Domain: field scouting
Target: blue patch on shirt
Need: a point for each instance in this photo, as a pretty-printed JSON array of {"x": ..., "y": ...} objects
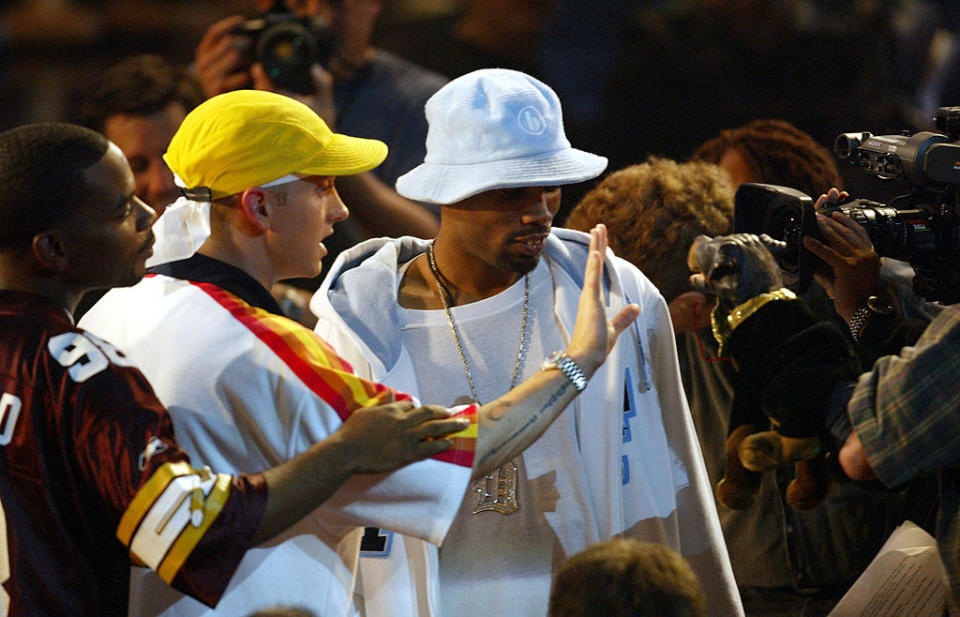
[
  {"x": 629, "y": 408},
  {"x": 376, "y": 542}
]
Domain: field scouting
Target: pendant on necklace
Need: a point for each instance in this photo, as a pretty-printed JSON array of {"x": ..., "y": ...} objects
[{"x": 497, "y": 491}]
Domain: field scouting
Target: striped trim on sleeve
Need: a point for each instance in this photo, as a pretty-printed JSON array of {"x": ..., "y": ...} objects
[{"x": 170, "y": 514}]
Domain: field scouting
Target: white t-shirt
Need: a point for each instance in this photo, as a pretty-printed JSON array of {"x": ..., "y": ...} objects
[
  {"x": 491, "y": 563},
  {"x": 630, "y": 433}
]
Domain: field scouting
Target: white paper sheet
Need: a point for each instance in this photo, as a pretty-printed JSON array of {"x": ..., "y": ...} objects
[{"x": 906, "y": 577}]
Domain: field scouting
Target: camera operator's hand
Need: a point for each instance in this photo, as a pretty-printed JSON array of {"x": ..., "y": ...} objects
[
  {"x": 854, "y": 273},
  {"x": 222, "y": 59},
  {"x": 321, "y": 101}
]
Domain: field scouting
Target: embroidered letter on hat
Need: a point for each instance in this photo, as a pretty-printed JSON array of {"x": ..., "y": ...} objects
[{"x": 532, "y": 121}]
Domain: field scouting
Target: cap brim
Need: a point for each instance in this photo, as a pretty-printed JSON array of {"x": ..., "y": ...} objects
[
  {"x": 446, "y": 184},
  {"x": 345, "y": 155}
]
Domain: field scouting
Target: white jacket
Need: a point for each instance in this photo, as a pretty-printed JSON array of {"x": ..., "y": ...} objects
[{"x": 662, "y": 494}]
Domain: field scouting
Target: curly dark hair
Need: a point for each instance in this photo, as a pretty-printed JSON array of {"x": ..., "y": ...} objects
[
  {"x": 139, "y": 86},
  {"x": 41, "y": 171},
  {"x": 777, "y": 153},
  {"x": 654, "y": 210}
]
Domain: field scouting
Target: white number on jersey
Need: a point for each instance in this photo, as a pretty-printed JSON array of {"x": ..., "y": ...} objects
[
  {"x": 9, "y": 414},
  {"x": 84, "y": 355}
]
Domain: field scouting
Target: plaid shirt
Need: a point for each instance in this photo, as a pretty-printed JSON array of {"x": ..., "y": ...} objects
[{"x": 906, "y": 412}]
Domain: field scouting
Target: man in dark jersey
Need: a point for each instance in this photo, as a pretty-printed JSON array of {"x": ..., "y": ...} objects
[{"x": 89, "y": 470}]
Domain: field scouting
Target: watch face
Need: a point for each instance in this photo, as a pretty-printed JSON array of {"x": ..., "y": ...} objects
[{"x": 879, "y": 305}]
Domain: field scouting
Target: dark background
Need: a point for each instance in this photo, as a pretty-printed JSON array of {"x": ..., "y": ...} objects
[{"x": 636, "y": 78}]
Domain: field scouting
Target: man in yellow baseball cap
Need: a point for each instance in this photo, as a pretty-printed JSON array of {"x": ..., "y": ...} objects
[
  {"x": 246, "y": 387},
  {"x": 261, "y": 166}
]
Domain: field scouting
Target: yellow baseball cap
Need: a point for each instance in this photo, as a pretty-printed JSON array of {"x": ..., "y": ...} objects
[{"x": 248, "y": 138}]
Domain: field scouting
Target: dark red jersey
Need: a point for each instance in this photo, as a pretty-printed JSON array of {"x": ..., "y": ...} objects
[{"x": 91, "y": 477}]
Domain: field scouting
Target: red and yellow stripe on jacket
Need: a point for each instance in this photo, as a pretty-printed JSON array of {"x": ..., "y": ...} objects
[{"x": 327, "y": 374}]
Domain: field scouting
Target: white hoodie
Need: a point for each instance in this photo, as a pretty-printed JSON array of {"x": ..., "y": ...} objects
[{"x": 642, "y": 472}]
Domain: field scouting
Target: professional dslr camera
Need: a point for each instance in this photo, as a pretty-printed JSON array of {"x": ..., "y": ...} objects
[
  {"x": 287, "y": 46},
  {"x": 921, "y": 227}
]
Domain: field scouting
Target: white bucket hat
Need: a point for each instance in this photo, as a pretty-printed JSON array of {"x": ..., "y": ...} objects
[{"x": 490, "y": 129}]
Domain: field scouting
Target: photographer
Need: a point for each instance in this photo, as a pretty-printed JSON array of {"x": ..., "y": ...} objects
[
  {"x": 787, "y": 562},
  {"x": 358, "y": 90},
  {"x": 897, "y": 422}
]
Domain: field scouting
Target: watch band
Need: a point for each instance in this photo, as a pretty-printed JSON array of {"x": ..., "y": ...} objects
[
  {"x": 873, "y": 306},
  {"x": 565, "y": 364},
  {"x": 858, "y": 321}
]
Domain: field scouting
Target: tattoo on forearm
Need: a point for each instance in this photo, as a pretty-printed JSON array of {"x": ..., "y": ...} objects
[
  {"x": 526, "y": 425},
  {"x": 497, "y": 411}
]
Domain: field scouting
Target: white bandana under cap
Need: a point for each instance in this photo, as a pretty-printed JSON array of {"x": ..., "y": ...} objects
[{"x": 185, "y": 225}]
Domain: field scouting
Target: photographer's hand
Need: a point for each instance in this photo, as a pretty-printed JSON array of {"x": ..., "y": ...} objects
[
  {"x": 855, "y": 266},
  {"x": 320, "y": 101},
  {"x": 221, "y": 60}
]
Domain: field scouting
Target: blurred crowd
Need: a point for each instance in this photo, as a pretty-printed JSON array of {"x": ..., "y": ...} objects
[
  {"x": 655, "y": 77},
  {"x": 687, "y": 99}
]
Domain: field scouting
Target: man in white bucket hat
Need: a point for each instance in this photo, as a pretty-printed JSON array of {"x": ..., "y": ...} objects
[
  {"x": 482, "y": 306},
  {"x": 247, "y": 387}
]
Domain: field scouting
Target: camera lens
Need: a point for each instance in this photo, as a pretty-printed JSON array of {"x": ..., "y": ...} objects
[
  {"x": 846, "y": 143},
  {"x": 286, "y": 52}
]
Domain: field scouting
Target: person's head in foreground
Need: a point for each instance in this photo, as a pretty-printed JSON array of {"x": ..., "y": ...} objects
[
  {"x": 626, "y": 578},
  {"x": 69, "y": 219},
  {"x": 263, "y": 166},
  {"x": 496, "y": 158}
]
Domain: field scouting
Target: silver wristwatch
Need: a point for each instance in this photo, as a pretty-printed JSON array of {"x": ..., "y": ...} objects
[
  {"x": 873, "y": 306},
  {"x": 566, "y": 365}
]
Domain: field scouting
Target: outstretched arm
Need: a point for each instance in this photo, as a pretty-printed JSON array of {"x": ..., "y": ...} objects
[
  {"x": 372, "y": 440},
  {"x": 514, "y": 421},
  {"x": 384, "y": 438}
]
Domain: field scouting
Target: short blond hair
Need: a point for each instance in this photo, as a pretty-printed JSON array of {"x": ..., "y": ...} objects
[{"x": 654, "y": 210}]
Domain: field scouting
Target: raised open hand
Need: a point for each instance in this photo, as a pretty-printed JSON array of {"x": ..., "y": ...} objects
[{"x": 593, "y": 334}]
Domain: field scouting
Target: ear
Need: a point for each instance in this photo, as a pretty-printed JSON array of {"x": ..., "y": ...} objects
[
  {"x": 257, "y": 208},
  {"x": 49, "y": 250}
]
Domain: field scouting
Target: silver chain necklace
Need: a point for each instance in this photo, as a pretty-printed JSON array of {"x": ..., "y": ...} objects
[{"x": 522, "y": 346}]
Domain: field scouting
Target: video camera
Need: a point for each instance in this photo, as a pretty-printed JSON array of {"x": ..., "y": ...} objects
[
  {"x": 921, "y": 227},
  {"x": 287, "y": 46}
]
